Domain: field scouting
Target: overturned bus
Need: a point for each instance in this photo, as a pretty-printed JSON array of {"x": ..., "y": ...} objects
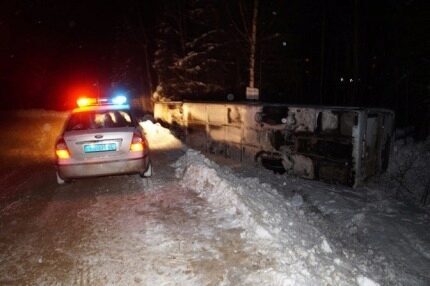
[{"x": 334, "y": 144}]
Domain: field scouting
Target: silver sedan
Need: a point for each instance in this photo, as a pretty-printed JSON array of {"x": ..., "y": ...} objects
[{"x": 100, "y": 141}]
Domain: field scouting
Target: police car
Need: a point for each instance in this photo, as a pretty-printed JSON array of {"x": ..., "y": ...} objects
[{"x": 101, "y": 138}]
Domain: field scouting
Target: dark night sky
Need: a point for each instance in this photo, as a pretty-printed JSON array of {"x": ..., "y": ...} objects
[
  {"x": 48, "y": 48},
  {"x": 51, "y": 46}
]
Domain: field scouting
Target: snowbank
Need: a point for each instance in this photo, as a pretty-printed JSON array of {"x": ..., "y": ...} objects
[
  {"x": 301, "y": 254},
  {"x": 37, "y": 113},
  {"x": 408, "y": 172},
  {"x": 160, "y": 138},
  {"x": 33, "y": 132}
]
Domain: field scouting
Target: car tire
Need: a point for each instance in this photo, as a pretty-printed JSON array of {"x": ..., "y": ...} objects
[
  {"x": 148, "y": 172},
  {"x": 60, "y": 180}
]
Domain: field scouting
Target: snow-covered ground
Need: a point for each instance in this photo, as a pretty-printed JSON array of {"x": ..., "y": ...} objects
[
  {"x": 324, "y": 235},
  {"x": 204, "y": 220},
  {"x": 408, "y": 174}
]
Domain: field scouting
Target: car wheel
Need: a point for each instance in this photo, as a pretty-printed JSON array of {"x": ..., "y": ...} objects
[
  {"x": 60, "y": 180},
  {"x": 148, "y": 172}
]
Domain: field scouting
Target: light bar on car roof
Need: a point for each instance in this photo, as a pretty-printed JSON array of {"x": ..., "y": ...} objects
[{"x": 90, "y": 101}]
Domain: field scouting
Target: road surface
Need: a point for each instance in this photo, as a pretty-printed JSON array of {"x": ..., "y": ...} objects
[{"x": 193, "y": 223}]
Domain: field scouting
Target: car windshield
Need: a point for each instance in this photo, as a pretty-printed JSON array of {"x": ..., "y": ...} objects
[{"x": 99, "y": 119}]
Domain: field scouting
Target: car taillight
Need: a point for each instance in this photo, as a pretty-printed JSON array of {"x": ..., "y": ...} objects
[
  {"x": 61, "y": 149},
  {"x": 137, "y": 143}
]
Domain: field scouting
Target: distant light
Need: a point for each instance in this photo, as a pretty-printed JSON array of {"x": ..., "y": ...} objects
[
  {"x": 351, "y": 80},
  {"x": 274, "y": 13},
  {"x": 341, "y": 79},
  {"x": 119, "y": 99},
  {"x": 284, "y": 44}
]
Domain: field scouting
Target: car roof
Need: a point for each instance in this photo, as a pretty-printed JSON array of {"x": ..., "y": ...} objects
[{"x": 101, "y": 108}]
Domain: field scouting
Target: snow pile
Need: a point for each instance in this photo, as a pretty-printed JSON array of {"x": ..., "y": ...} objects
[
  {"x": 159, "y": 138},
  {"x": 33, "y": 133},
  {"x": 364, "y": 281},
  {"x": 301, "y": 255},
  {"x": 408, "y": 171},
  {"x": 38, "y": 113}
]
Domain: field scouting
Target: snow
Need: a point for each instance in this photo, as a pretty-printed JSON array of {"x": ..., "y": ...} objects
[
  {"x": 385, "y": 238},
  {"x": 407, "y": 176},
  {"x": 326, "y": 247},
  {"x": 160, "y": 138},
  {"x": 38, "y": 113},
  {"x": 206, "y": 220},
  {"x": 364, "y": 281},
  {"x": 297, "y": 200},
  {"x": 233, "y": 228},
  {"x": 299, "y": 253}
]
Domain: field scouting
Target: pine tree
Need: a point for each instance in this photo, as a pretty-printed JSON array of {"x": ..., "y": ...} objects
[{"x": 192, "y": 58}]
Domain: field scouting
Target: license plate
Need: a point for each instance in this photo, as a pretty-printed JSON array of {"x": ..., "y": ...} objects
[{"x": 91, "y": 148}]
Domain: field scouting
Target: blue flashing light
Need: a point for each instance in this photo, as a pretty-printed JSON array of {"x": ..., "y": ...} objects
[{"x": 119, "y": 99}]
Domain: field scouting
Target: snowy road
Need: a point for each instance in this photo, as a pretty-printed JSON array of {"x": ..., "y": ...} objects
[{"x": 193, "y": 223}]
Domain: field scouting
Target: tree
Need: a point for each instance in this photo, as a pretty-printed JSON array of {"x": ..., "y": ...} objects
[
  {"x": 192, "y": 56},
  {"x": 131, "y": 59},
  {"x": 253, "y": 44}
]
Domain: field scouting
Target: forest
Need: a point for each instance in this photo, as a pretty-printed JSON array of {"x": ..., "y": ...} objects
[{"x": 349, "y": 53}]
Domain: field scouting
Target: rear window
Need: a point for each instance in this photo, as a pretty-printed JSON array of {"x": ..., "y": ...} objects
[{"x": 100, "y": 119}]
